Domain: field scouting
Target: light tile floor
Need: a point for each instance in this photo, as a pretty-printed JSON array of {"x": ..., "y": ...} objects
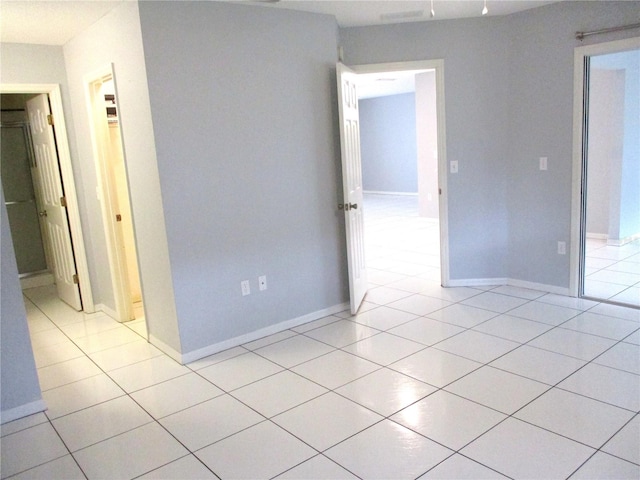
[
  {"x": 613, "y": 273},
  {"x": 492, "y": 382}
]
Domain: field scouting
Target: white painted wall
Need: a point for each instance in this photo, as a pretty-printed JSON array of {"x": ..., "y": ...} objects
[
  {"x": 606, "y": 122},
  {"x": 427, "y": 144}
]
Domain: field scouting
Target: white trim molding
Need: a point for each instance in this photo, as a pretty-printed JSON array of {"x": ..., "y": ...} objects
[
  {"x": 256, "y": 335},
  {"x": 478, "y": 282},
  {"x": 511, "y": 282},
  {"x": 22, "y": 411},
  {"x": 36, "y": 280}
]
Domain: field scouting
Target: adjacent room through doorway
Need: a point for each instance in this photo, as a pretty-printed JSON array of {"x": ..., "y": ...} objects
[
  {"x": 398, "y": 136},
  {"x": 611, "y": 256}
]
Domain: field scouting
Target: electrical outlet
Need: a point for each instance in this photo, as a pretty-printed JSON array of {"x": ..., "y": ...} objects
[
  {"x": 246, "y": 288},
  {"x": 262, "y": 282},
  {"x": 562, "y": 248},
  {"x": 543, "y": 163}
]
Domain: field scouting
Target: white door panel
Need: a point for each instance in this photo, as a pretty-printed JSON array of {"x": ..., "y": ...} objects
[
  {"x": 49, "y": 192},
  {"x": 352, "y": 184}
]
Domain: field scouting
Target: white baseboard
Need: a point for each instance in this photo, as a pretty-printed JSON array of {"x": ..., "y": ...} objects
[
  {"x": 177, "y": 356},
  {"x": 22, "y": 411},
  {"x": 101, "y": 307},
  {"x": 263, "y": 332},
  {"x": 619, "y": 242},
  {"x": 487, "y": 282},
  {"x": 37, "y": 280},
  {"x": 597, "y": 236},
  {"x": 614, "y": 242},
  {"x": 477, "y": 282},
  {"x": 539, "y": 287},
  {"x": 377, "y": 192}
]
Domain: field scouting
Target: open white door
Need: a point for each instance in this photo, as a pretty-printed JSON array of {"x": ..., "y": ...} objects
[
  {"x": 352, "y": 184},
  {"x": 49, "y": 191}
]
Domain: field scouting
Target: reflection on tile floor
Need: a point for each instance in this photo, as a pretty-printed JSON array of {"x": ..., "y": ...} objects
[
  {"x": 613, "y": 273},
  {"x": 492, "y": 382}
]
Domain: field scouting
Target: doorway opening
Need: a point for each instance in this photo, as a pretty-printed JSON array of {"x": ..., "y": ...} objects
[
  {"x": 399, "y": 144},
  {"x": 114, "y": 195},
  {"x": 608, "y": 166},
  {"x": 420, "y": 253},
  {"x": 42, "y": 204},
  {"x": 17, "y": 157}
]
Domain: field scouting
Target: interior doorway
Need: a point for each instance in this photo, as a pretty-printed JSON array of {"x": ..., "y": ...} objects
[
  {"x": 609, "y": 172},
  {"x": 17, "y": 159},
  {"x": 405, "y": 194},
  {"x": 46, "y": 219},
  {"x": 114, "y": 195}
]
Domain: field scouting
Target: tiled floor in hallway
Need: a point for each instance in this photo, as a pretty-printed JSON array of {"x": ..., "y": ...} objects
[{"x": 426, "y": 382}]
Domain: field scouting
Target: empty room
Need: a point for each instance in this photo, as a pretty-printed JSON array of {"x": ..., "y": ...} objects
[{"x": 203, "y": 277}]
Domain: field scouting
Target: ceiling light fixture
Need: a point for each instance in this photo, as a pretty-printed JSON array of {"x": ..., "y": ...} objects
[
  {"x": 433, "y": 12},
  {"x": 485, "y": 10}
]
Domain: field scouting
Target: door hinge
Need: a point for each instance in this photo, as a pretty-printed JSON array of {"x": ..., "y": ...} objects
[
  {"x": 76, "y": 280},
  {"x": 63, "y": 201},
  {"x": 439, "y": 191},
  {"x": 50, "y": 119}
]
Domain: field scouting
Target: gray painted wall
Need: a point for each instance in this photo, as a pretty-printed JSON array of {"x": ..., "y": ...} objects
[
  {"x": 509, "y": 101},
  {"x": 541, "y": 124},
  {"x": 17, "y": 183},
  {"x": 476, "y": 82},
  {"x": 243, "y": 110},
  {"x": 18, "y": 377},
  {"x": 388, "y": 143}
]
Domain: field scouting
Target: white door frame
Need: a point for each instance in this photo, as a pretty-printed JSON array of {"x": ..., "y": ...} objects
[
  {"x": 117, "y": 260},
  {"x": 438, "y": 66},
  {"x": 578, "y": 170},
  {"x": 66, "y": 171}
]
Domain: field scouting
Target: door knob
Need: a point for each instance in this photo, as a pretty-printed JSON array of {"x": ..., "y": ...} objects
[
  {"x": 347, "y": 206},
  {"x": 43, "y": 213}
]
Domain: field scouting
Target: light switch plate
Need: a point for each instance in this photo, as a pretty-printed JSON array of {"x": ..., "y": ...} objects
[
  {"x": 562, "y": 248},
  {"x": 453, "y": 166},
  {"x": 543, "y": 163}
]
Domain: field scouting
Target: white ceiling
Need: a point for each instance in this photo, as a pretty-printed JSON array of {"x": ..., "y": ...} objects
[
  {"x": 49, "y": 22},
  {"x": 354, "y": 13},
  {"x": 388, "y": 83},
  {"x": 55, "y": 22}
]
